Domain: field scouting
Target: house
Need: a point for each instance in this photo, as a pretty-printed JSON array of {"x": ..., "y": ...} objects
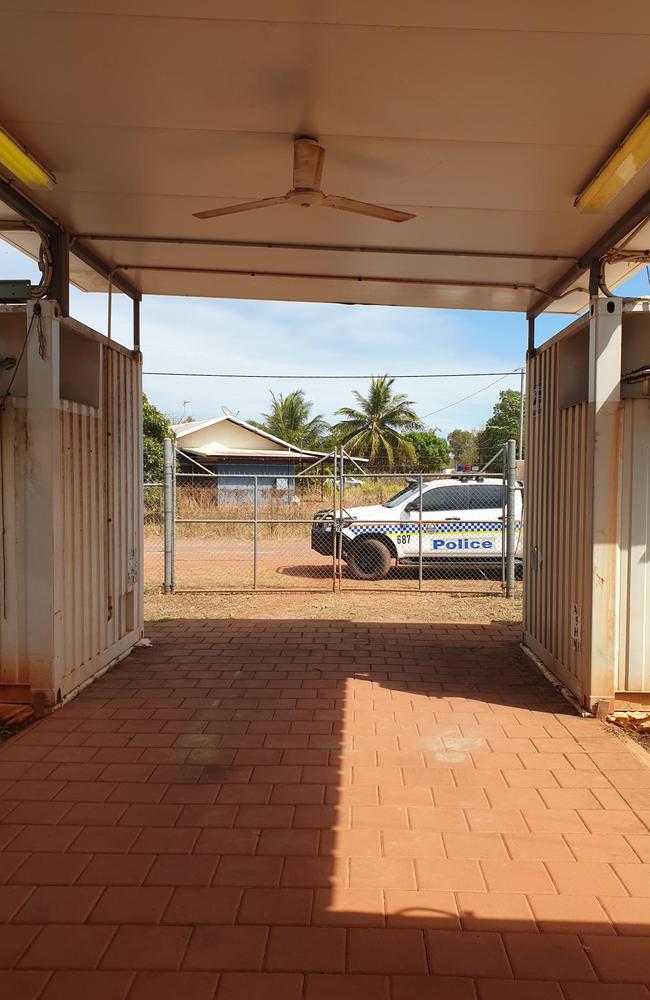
[{"x": 236, "y": 452}]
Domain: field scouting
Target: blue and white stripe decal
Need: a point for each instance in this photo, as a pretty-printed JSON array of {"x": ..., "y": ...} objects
[{"x": 431, "y": 528}]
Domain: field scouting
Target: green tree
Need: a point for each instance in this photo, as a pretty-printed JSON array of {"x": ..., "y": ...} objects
[
  {"x": 155, "y": 428},
  {"x": 431, "y": 451},
  {"x": 502, "y": 425},
  {"x": 462, "y": 445},
  {"x": 377, "y": 430},
  {"x": 290, "y": 419}
]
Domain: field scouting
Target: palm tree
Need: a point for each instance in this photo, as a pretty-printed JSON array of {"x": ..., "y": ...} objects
[
  {"x": 375, "y": 430},
  {"x": 290, "y": 419}
]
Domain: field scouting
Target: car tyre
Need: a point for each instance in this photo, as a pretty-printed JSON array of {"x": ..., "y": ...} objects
[{"x": 369, "y": 560}]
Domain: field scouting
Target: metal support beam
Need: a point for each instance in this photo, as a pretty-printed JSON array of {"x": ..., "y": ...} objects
[
  {"x": 531, "y": 336},
  {"x": 136, "y": 326},
  {"x": 90, "y": 258},
  {"x": 198, "y": 241},
  {"x": 632, "y": 218},
  {"x": 595, "y": 268},
  {"x": 59, "y": 289},
  {"x": 60, "y": 246},
  {"x": 315, "y": 276},
  {"x": 29, "y": 212}
]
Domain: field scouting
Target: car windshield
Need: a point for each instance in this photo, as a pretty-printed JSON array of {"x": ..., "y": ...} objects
[{"x": 404, "y": 494}]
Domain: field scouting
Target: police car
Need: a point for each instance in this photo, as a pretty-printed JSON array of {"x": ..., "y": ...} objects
[{"x": 462, "y": 519}]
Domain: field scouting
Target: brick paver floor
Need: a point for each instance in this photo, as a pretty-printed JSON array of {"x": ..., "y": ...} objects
[{"x": 295, "y": 810}]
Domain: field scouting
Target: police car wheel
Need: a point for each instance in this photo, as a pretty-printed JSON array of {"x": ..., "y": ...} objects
[{"x": 369, "y": 560}]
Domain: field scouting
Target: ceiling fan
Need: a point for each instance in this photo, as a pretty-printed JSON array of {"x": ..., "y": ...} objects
[{"x": 308, "y": 161}]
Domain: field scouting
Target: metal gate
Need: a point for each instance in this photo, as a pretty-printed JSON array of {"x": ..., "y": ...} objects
[{"x": 333, "y": 526}]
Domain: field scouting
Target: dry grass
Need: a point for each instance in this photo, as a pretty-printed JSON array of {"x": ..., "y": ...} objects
[
  {"x": 203, "y": 501},
  {"x": 350, "y": 606}
]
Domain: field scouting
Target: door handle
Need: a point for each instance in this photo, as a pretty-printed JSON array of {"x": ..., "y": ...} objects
[{"x": 452, "y": 519}]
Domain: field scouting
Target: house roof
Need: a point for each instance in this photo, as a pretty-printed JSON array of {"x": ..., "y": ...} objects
[
  {"x": 286, "y": 448},
  {"x": 222, "y": 452}
]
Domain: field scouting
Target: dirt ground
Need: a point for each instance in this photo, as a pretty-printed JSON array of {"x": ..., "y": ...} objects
[
  {"x": 350, "y": 606},
  {"x": 290, "y": 564}
]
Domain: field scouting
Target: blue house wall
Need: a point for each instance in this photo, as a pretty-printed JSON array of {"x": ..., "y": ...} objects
[
  {"x": 275, "y": 480},
  {"x": 234, "y": 483}
]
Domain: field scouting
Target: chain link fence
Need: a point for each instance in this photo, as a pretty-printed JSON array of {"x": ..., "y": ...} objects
[{"x": 336, "y": 528}]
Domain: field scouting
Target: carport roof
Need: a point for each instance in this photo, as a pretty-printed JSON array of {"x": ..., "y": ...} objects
[{"x": 485, "y": 120}]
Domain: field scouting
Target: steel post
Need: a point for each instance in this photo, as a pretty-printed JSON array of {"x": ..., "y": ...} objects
[
  {"x": 340, "y": 531},
  {"x": 168, "y": 515},
  {"x": 174, "y": 518},
  {"x": 420, "y": 529},
  {"x": 522, "y": 391},
  {"x": 334, "y": 522},
  {"x": 255, "y": 478},
  {"x": 60, "y": 284},
  {"x": 136, "y": 326},
  {"x": 511, "y": 493},
  {"x": 503, "y": 517}
]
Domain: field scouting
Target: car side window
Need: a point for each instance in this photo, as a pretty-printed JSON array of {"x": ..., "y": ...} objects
[
  {"x": 484, "y": 495},
  {"x": 445, "y": 498}
]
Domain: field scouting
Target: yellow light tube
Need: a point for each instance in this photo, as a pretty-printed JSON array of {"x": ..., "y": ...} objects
[
  {"x": 618, "y": 170},
  {"x": 15, "y": 158}
]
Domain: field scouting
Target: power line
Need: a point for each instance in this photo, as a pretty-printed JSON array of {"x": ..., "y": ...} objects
[
  {"x": 515, "y": 371},
  {"x": 463, "y": 398}
]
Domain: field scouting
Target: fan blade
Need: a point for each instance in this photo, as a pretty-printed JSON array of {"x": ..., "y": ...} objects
[
  {"x": 308, "y": 160},
  {"x": 245, "y": 206},
  {"x": 365, "y": 208}
]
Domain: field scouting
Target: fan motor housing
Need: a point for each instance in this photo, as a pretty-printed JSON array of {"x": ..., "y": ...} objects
[{"x": 305, "y": 197}]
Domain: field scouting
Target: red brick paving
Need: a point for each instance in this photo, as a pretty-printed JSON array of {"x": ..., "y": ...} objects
[{"x": 320, "y": 810}]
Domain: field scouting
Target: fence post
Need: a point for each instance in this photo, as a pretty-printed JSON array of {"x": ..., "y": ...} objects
[
  {"x": 168, "y": 513},
  {"x": 255, "y": 533},
  {"x": 174, "y": 516},
  {"x": 335, "y": 543},
  {"x": 511, "y": 492},
  {"x": 340, "y": 531},
  {"x": 420, "y": 529}
]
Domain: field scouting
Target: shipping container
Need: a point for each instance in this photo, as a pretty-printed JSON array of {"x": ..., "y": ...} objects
[
  {"x": 587, "y": 504},
  {"x": 71, "y": 502}
]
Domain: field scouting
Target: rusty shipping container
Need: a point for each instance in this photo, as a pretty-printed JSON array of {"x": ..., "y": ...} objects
[
  {"x": 71, "y": 511},
  {"x": 587, "y": 502}
]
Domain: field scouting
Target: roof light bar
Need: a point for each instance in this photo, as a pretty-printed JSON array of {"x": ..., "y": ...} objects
[
  {"x": 20, "y": 162},
  {"x": 631, "y": 154}
]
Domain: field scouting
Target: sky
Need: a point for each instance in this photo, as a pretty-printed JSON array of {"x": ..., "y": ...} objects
[{"x": 297, "y": 339}]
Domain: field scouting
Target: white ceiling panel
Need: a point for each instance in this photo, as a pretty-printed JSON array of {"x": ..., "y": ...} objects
[{"x": 485, "y": 120}]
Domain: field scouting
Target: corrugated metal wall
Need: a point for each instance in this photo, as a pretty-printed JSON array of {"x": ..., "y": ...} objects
[
  {"x": 12, "y": 437},
  {"x": 100, "y": 493},
  {"x": 102, "y": 530},
  {"x": 562, "y": 483},
  {"x": 634, "y": 659},
  {"x": 557, "y": 595}
]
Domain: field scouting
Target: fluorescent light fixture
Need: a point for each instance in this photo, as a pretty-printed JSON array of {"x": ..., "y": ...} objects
[
  {"x": 20, "y": 162},
  {"x": 631, "y": 154}
]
